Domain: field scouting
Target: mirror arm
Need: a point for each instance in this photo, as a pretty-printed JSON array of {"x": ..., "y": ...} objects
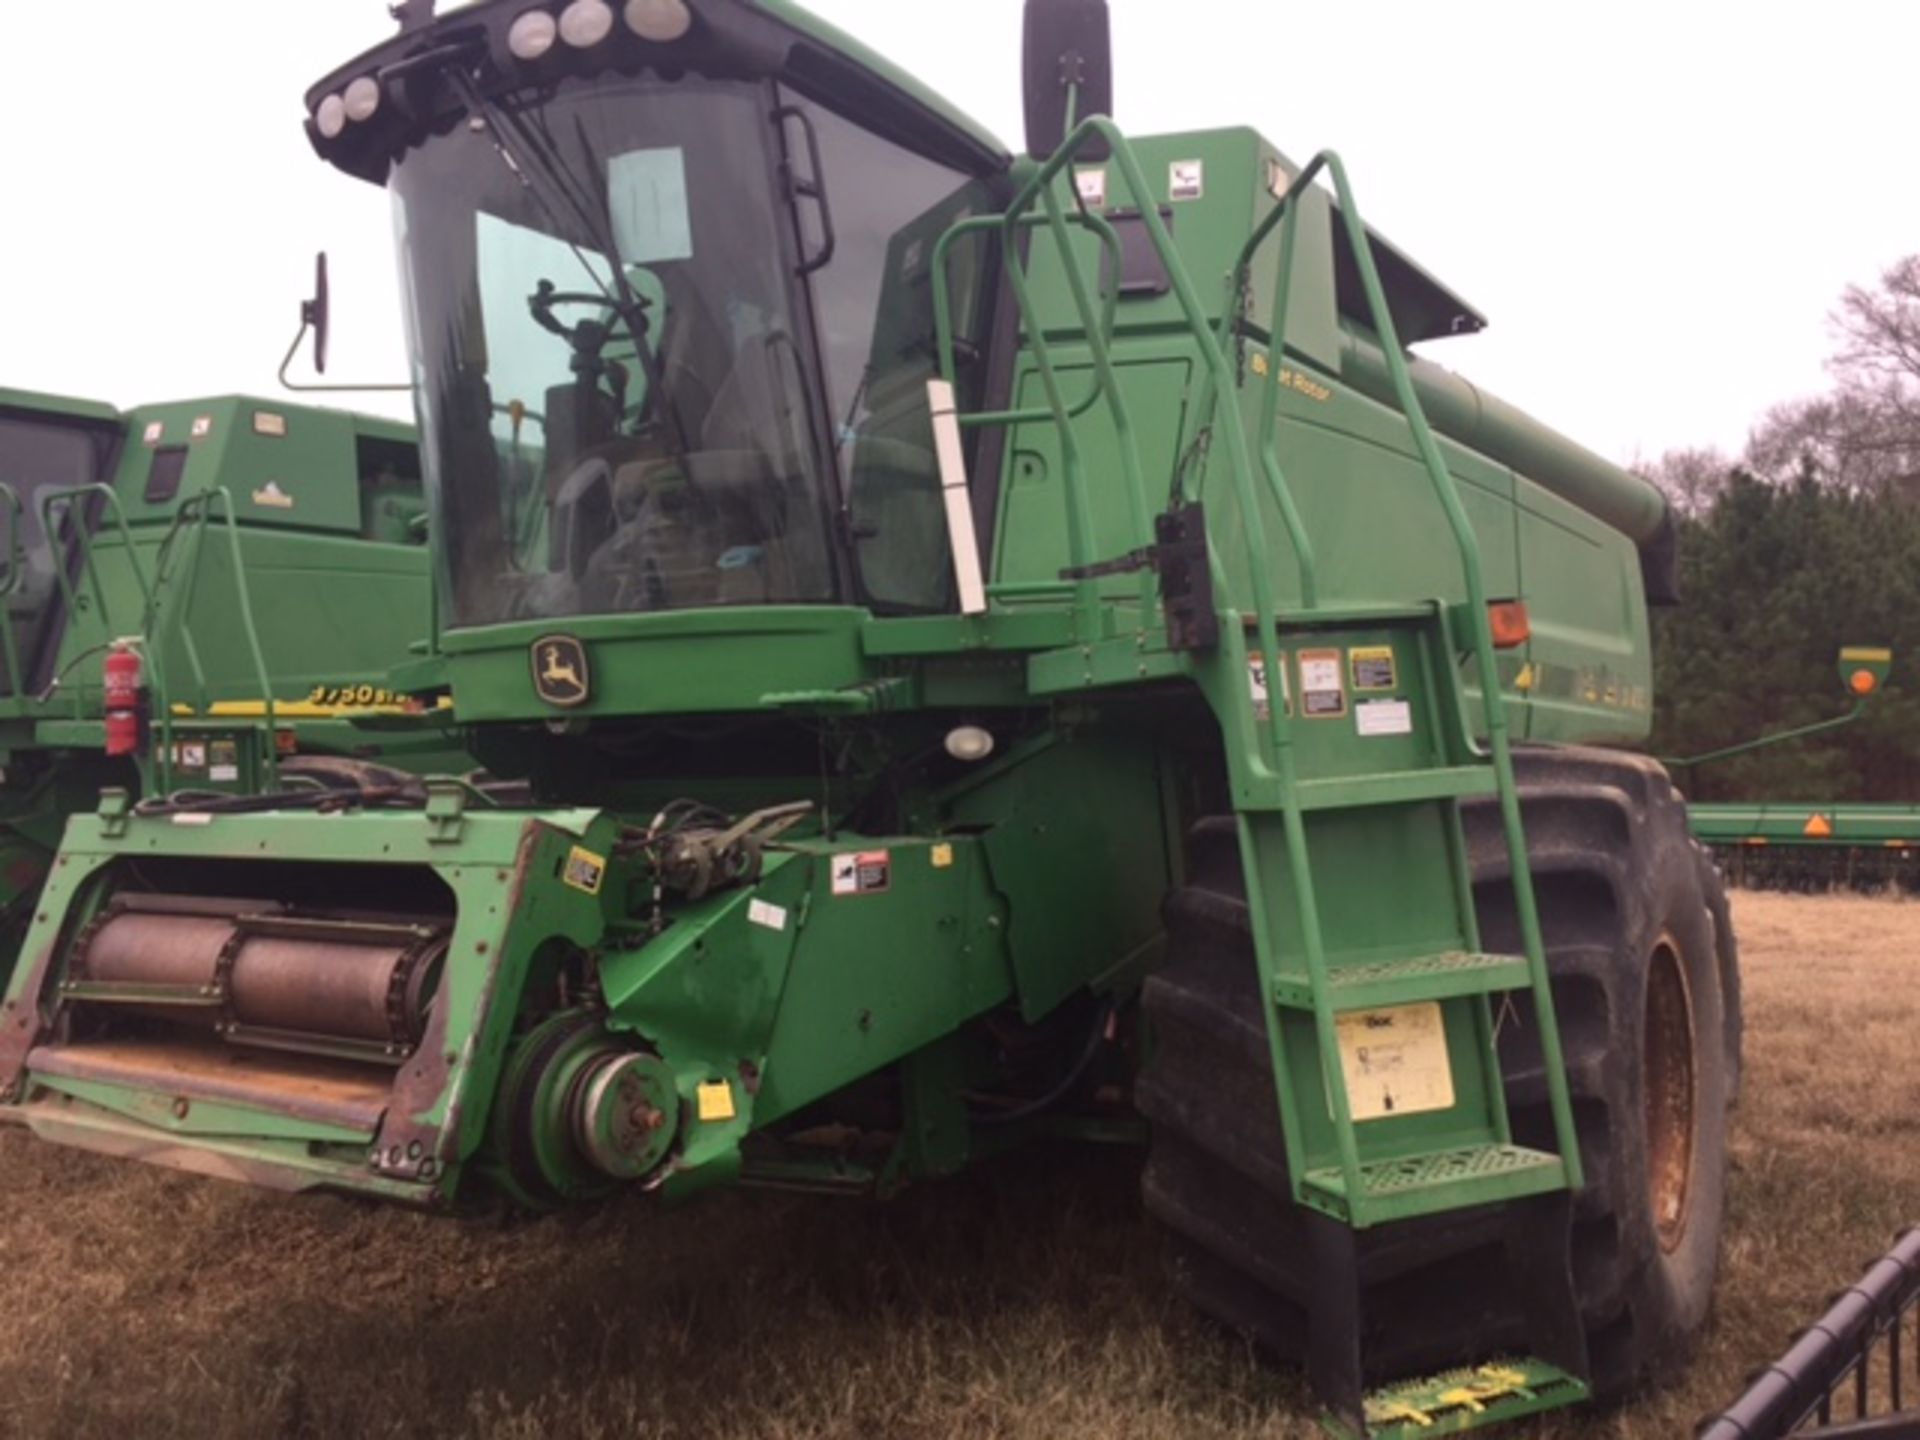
[{"x": 303, "y": 388}]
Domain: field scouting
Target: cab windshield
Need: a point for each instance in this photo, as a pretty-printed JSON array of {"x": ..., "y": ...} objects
[{"x": 651, "y": 326}]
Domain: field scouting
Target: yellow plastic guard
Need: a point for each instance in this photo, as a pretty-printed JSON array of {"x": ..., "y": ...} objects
[
  {"x": 715, "y": 1101},
  {"x": 1467, "y": 1399}
]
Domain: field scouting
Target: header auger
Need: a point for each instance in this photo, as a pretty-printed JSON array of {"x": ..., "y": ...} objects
[{"x": 935, "y": 608}]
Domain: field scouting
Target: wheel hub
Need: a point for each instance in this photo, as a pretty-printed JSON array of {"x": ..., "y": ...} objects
[{"x": 1671, "y": 1092}]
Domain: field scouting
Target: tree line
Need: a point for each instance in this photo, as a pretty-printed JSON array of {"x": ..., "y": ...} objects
[{"x": 1807, "y": 541}]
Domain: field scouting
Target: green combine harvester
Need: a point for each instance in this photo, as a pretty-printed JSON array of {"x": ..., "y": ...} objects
[
  {"x": 994, "y": 648},
  {"x": 165, "y": 543}
]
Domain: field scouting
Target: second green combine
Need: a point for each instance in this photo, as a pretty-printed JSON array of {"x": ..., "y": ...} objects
[{"x": 179, "y": 582}]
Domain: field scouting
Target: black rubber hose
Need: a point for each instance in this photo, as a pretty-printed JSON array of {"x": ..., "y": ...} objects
[{"x": 1084, "y": 1062}]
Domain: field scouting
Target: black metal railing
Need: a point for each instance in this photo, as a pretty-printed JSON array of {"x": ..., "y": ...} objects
[{"x": 1854, "y": 1374}]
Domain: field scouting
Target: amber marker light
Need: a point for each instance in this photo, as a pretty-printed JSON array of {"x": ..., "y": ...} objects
[
  {"x": 1509, "y": 623},
  {"x": 1863, "y": 682}
]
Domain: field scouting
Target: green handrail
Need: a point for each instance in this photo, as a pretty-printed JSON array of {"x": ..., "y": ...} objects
[
  {"x": 1270, "y": 420},
  {"x": 1100, "y": 349},
  {"x": 1221, "y": 394},
  {"x": 83, "y": 535},
  {"x": 1468, "y": 544},
  {"x": 943, "y": 312},
  {"x": 149, "y": 597},
  {"x": 202, "y": 504},
  {"x": 1221, "y": 383}
]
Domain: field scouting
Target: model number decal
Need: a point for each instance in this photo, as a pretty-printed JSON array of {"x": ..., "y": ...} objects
[
  {"x": 341, "y": 696},
  {"x": 1291, "y": 379}
]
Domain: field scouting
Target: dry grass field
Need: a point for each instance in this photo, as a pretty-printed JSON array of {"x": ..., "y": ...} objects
[{"x": 1024, "y": 1300}]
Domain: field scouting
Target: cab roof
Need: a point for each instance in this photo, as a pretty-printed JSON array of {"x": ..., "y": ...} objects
[{"x": 772, "y": 39}]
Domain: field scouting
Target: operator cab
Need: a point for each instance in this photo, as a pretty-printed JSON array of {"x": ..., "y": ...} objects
[{"x": 670, "y": 303}]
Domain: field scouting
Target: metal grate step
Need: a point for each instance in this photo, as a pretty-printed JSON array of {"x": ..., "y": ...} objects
[
  {"x": 1412, "y": 1185},
  {"x": 1380, "y": 984},
  {"x": 1391, "y": 787}
]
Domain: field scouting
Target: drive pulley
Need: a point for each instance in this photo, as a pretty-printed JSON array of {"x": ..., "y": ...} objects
[{"x": 580, "y": 1112}]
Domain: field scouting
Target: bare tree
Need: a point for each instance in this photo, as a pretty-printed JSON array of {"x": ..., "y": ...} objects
[
  {"x": 1692, "y": 478},
  {"x": 1865, "y": 436},
  {"x": 1880, "y": 331}
]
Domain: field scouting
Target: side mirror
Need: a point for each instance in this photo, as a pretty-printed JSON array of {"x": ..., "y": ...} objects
[
  {"x": 1863, "y": 670},
  {"x": 316, "y": 314},
  {"x": 1069, "y": 54}
]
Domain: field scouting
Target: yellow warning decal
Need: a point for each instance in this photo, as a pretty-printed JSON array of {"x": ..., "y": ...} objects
[
  {"x": 584, "y": 870},
  {"x": 1373, "y": 668},
  {"x": 1396, "y": 1061},
  {"x": 1818, "y": 827},
  {"x": 942, "y": 857},
  {"x": 714, "y": 1101}
]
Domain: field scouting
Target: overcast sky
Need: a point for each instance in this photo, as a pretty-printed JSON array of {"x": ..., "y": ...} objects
[{"x": 1656, "y": 204}]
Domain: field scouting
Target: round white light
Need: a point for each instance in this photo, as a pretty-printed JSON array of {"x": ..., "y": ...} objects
[
  {"x": 969, "y": 743},
  {"x": 661, "y": 21},
  {"x": 331, "y": 117},
  {"x": 586, "y": 23},
  {"x": 532, "y": 35},
  {"x": 363, "y": 98}
]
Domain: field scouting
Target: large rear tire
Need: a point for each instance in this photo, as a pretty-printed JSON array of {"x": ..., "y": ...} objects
[{"x": 1645, "y": 982}]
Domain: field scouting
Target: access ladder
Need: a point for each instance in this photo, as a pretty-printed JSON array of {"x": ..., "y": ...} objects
[{"x": 1350, "y": 751}]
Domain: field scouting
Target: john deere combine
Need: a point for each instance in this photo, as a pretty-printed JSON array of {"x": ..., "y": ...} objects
[
  {"x": 151, "y": 563},
  {"x": 945, "y": 607}
]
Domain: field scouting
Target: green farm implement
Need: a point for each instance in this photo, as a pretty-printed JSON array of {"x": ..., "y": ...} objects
[
  {"x": 991, "y": 649},
  {"x": 1814, "y": 845},
  {"x": 176, "y": 539}
]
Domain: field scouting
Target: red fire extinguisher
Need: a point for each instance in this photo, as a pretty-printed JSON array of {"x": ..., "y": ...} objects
[{"x": 126, "y": 699}]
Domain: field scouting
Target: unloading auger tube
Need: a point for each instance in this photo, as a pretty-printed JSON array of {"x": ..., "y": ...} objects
[{"x": 1464, "y": 411}]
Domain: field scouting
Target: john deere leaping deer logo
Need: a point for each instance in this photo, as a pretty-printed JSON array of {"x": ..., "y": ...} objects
[{"x": 560, "y": 674}]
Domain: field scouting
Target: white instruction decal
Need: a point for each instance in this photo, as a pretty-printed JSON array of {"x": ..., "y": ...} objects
[
  {"x": 870, "y": 872},
  {"x": 1092, "y": 185},
  {"x": 1323, "y": 692},
  {"x": 765, "y": 913},
  {"x": 1262, "y": 695},
  {"x": 1383, "y": 717},
  {"x": 1187, "y": 180},
  {"x": 1395, "y": 1061}
]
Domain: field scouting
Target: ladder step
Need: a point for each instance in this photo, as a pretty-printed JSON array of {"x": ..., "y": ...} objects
[
  {"x": 1395, "y": 787},
  {"x": 1378, "y": 984},
  {"x": 1458, "y": 1400},
  {"x": 1414, "y": 1185}
]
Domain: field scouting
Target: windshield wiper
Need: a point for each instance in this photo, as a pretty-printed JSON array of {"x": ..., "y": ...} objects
[{"x": 528, "y": 157}]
